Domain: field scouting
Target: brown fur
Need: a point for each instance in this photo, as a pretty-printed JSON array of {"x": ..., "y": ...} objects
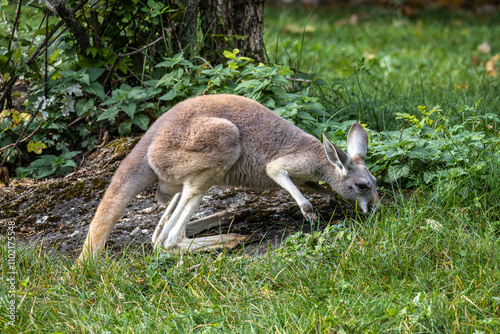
[{"x": 233, "y": 141}]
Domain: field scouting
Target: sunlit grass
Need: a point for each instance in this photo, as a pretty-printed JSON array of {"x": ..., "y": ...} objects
[
  {"x": 412, "y": 267},
  {"x": 386, "y": 63}
]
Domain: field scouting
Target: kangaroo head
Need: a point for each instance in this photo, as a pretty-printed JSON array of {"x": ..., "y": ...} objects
[{"x": 353, "y": 180}]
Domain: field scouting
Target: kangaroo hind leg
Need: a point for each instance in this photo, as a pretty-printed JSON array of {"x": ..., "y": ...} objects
[{"x": 204, "y": 156}]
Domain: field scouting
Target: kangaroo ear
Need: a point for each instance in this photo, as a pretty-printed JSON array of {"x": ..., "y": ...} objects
[
  {"x": 336, "y": 156},
  {"x": 357, "y": 143}
]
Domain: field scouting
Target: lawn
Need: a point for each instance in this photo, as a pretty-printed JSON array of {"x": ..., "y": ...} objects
[{"x": 427, "y": 262}]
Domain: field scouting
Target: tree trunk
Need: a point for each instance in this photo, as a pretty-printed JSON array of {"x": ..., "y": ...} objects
[
  {"x": 249, "y": 22},
  {"x": 230, "y": 24},
  {"x": 70, "y": 20}
]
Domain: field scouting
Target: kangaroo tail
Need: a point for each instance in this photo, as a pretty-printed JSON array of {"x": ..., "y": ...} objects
[{"x": 133, "y": 176}]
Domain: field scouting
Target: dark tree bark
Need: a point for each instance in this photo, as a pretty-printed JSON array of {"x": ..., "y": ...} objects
[
  {"x": 190, "y": 22},
  {"x": 70, "y": 20},
  {"x": 229, "y": 24},
  {"x": 249, "y": 21}
]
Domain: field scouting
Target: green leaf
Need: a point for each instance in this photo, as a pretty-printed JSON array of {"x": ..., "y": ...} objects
[
  {"x": 129, "y": 108},
  {"x": 43, "y": 161},
  {"x": 419, "y": 153},
  {"x": 396, "y": 172},
  {"x": 142, "y": 121},
  {"x": 69, "y": 163},
  {"x": 172, "y": 94},
  {"x": 392, "y": 312},
  {"x": 44, "y": 172},
  {"x": 111, "y": 112},
  {"x": 305, "y": 116},
  {"x": 95, "y": 73},
  {"x": 70, "y": 155},
  {"x": 136, "y": 94},
  {"x": 167, "y": 80},
  {"x": 83, "y": 106},
  {"x": 96, "y": 89},
  {"x": 125, "y": 127}
]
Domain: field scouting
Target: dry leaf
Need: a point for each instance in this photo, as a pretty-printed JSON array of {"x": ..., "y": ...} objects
[
  {"x": 118, "y": 310},
  {"x": 369, "y": 56},
  {"x": 296, "y": 29},
  {"x": 490, "y": 65},
  {"x": 475, "y": 60},
  {"x": 484, "y": 48},
  {"x": 354, "y": 19}
]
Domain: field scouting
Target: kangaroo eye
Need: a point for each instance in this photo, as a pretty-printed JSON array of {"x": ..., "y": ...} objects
[{"x": 362, "y": 185}]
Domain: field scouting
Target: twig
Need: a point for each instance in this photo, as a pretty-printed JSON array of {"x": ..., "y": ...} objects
[
  {"x": 298, "y": 80},
  {"x": 76, "y": 120},
  {"x": 139, "y": 50},
  {"x": 121, "y": 55},
  {"x": 16, "y": 23},
  {"x": 6, "y": 87},
  {"x": 52, "y": 41},
  {"x": 26, "y": 138},
  {"x": 110, "y": 70}
]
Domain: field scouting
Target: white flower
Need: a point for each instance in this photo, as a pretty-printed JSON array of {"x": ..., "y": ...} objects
[
  {"x": 68, "y": 105},
  {"x": 76, "y": 90},
  {"x": 44, "y": 104}
]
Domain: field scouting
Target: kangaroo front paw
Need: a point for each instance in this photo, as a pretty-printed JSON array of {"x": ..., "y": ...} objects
[{"x": 308, "y": 212}]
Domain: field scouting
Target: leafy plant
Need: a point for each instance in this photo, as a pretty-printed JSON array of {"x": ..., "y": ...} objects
[
  {"x": 49, "y": 165},
  {"x": 129, "y": 100},
  {"x": 427, "y": 149}
]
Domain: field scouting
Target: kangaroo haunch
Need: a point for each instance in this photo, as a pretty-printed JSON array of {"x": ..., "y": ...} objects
[{"x": 227, "y": 140}]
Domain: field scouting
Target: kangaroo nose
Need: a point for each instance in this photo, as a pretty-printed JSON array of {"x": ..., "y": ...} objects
[
  {"x": 375, "y": 197},
  {"x": 374, "y": 206}
]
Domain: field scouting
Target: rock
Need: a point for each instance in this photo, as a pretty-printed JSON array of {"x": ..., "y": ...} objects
[{"x": 135, "y": 231}]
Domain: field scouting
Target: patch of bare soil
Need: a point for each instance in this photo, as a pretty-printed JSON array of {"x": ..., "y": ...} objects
[{"x": 55, "y": 214}]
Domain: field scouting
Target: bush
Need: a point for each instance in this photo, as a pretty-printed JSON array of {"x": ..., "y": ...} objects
[{"x": 427, "y": 149}]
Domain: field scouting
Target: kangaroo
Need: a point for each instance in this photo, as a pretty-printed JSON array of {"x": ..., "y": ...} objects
[{"x": 227, "y": 140}]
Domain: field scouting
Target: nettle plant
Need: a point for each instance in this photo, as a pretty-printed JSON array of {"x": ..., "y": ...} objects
[
  {"x": 428, "y": 149},
  {"x": 59, "y": 121}
]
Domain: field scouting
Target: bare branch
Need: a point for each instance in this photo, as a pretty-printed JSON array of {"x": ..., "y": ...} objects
[{"x": 139, "y": 50}]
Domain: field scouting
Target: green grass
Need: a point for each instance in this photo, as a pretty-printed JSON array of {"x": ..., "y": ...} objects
[
  {"x": 428, "y": 262},
  {"x": 387, "y": 63},
  {"x": 413, "y": 267}
]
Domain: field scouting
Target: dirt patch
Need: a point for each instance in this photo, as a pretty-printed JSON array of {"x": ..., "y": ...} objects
[{"x": 56, "y": 213}]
